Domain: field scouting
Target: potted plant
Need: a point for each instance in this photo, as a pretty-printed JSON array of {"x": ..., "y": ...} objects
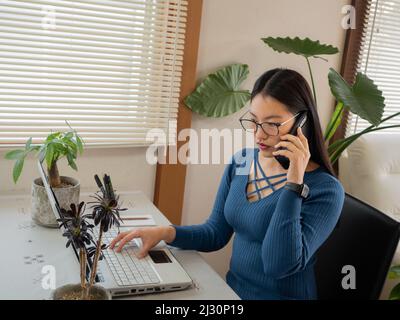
[
  {"x": 79, "y": 231},
  {"x": 56, "y": 146}
]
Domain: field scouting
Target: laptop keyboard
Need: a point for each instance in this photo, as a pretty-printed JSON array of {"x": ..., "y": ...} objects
[{"x": 126, "y": 268}]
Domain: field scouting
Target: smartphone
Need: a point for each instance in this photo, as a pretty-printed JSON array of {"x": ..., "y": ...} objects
[{"x": 300, "y": 121}]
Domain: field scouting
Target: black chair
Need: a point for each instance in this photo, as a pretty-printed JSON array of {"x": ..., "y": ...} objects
[{"x": 364, "y": 238}]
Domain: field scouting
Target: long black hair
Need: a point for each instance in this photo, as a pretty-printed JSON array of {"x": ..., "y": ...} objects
[{"x": 290, "y": 88}]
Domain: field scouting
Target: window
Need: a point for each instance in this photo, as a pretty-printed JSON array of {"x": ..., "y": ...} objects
[
  {"x": 109, "y": 69},
  {"x": 380, "y": 60}
]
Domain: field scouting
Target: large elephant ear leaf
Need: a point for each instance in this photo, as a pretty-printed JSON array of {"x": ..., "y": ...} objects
[
  {"x": 363, "y": 98},
  {"x": 219, "y": 94},
  {"x": 304, "y": 47}
]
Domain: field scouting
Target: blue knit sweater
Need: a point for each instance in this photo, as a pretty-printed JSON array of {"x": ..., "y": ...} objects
[{"x": 276, "y": 237}]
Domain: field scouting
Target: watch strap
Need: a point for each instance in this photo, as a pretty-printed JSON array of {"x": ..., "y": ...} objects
[{"x": 301, "y": 189}]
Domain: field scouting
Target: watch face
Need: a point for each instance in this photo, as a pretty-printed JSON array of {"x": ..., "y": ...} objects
[{"x": 304, "y": 191}]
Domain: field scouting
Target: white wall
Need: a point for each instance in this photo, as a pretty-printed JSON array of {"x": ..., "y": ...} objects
[
  {"x": 230, "y": 33},
  {"x": 127, "y": 167}
]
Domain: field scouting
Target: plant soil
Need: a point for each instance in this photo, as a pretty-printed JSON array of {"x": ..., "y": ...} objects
[
  {"x": 62, "y": 185},
  {"x": 77, "y": 295}
]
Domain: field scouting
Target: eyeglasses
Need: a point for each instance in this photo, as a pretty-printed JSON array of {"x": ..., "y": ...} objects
[{"x": 269, "y": 128}]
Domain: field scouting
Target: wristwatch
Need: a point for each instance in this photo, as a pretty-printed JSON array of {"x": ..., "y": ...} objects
[{"x": 301, "y": 189}]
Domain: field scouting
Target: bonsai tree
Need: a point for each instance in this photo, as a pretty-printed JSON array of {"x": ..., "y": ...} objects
[
  {"x": 56, "y": 146},
  {"x": 105, "y": 214}
]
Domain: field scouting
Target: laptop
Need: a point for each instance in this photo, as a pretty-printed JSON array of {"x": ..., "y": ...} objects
[{"x": 123, "y": 274}]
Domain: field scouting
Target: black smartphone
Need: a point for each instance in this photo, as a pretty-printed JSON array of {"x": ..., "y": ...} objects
[{"x": 300, "y": 121}]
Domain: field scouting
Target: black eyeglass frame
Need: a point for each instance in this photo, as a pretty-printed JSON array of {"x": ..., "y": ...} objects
[{"x": 276, "y": 124}]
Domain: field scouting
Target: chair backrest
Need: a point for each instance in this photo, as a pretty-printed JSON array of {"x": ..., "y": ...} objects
[{"x": 365, "y": 239}]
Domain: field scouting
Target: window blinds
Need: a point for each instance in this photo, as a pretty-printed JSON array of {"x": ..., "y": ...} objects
[
  {"x": 380, "y": 60},
  {"x": 109, "y": 69}
]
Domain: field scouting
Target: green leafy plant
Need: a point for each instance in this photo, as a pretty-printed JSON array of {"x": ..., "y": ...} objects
[
  {"x": 56, "y": 146},
  {"x": 363, "y": 98},
  {"x": 394, "y": 273},
  {"x": 219, "y": 94}
]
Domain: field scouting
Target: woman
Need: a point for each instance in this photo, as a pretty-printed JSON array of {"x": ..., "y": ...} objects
[{"x": 277, "y": 229}]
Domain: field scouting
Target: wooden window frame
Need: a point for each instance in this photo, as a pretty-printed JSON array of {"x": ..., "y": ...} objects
[
  {"x": 350, "y": 61},
  {"x": 170, "y": 178}
]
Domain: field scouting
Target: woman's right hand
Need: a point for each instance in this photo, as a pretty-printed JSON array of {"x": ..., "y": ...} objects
[{"x": 150, "y": 237}]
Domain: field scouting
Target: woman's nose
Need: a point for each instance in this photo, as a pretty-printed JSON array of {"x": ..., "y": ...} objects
[{"x": 260, "y": 134}]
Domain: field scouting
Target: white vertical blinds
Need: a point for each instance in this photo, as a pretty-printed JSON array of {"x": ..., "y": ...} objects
[
  {"x": 380, "y": 60},
  {"x": 111, "y": 69}
]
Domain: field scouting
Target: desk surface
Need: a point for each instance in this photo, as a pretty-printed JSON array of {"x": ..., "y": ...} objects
[{"x": 27, "y": 248}]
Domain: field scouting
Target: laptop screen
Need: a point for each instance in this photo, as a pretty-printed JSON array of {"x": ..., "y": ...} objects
[{"x": 55, "y": 206}]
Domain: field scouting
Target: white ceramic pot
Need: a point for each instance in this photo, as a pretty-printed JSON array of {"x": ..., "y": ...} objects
[{"x": 41, "y": 211}]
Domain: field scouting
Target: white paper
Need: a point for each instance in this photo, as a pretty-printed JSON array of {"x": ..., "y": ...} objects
[{"x": 137, "y": 220}]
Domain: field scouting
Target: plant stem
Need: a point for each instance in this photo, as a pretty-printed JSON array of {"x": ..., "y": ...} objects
[
  {"x": 334, "y": 122},
  {"x": 312, "y": 81},
  {"x": 345, "y": 143},
  {"x": 96, "y": 258},
  {"x": 54, "y": 176},
  {"x": 82, "y": 259}
]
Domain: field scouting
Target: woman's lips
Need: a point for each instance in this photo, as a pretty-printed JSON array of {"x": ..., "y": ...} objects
[{"x": 264, "y": 146}]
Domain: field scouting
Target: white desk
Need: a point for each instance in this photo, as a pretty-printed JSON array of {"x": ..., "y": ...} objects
[{"x": 26, "y": 248}]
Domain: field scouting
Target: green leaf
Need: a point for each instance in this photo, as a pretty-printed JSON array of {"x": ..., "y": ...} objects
[
  {"x": 59, "y": 147},
  {"x": 68, "y": 135},
  {"x": 71, "y": 162},
  {"x": 71, "y": 148},
  {"x": 53, "y": 136},
  {"x": 395, "y": 293},
  {"x": 19, "y": 164},
  {"x": 15, "y": 154},
  {"x": 304, "y": 47},
  {"x": 28, "y": 144},
  {"x": 79, "y": 144},
  {"x": 49, "y": 155},
  {"x": 394, "y": 272},
  {"x": 219, "y": 95},
  {"x": 34, "y": 148},
  {"x": 363, "y": 98}
]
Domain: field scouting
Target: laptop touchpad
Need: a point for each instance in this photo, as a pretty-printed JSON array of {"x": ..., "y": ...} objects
[{"x": 159, "y": 256}]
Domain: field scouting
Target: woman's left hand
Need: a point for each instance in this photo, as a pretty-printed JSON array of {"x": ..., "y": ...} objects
[{"x": 298, "y": 153}]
